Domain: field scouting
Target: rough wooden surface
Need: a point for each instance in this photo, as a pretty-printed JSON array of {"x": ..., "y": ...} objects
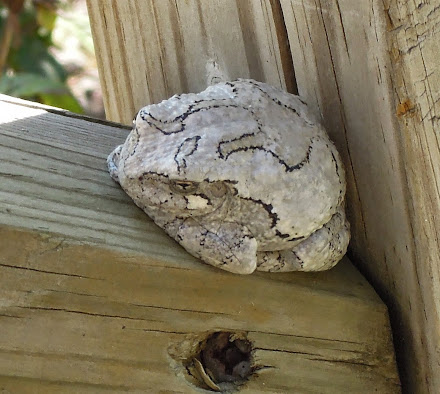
[
  {"x": 179, "y": 38},
  {"x": 371, "y": 69},
  {"x": 93, "y": 296}
]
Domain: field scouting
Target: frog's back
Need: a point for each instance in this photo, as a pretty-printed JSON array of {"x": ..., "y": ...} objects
[{"x": 260, "y": 139}]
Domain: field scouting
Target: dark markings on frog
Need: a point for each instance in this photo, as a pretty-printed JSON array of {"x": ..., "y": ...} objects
[
  {"x": 267, "y": 207},
  {"x": 185, "y": 149},
  {"x": 251, "y": 137},
  {"x": 180, "y": 119},
  {"x": 274, "y": 217},
  {"x": 193, "y": 108},
  {"x": 281, "y": 262},
  {"x": 231, "y": 84},
  {"x": 283, "y": 236},
  {"x": 341, "y": 195},
  {"x": 275, "y": 100},
  {"x": 202, "y": 195},
  {"x": 278, "y": 266},
  {"x": 301, "y": 263},
  {"x": 136, "y": 132},
  {"x": 235, "y": 246},
  {"x": 335, "y": 161},
  {"x": 149, "y": 174},
  {"x": 224, "y": 180},
  {"x": 224, "y": 155}
]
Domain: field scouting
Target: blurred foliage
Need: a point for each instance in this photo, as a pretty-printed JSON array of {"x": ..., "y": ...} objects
[{"x": 29, "y": 70}]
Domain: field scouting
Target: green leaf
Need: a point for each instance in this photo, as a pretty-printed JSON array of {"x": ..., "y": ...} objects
[
  {"x": 65, "y": 101},
  {"x": 33, "y": 57},
  {"x": 28, "y": 84},
  {"x": 46, "y": 17},
  {"x": 44, "y": 90}
]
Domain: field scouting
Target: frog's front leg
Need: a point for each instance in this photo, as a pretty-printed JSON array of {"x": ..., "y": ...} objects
[
  {"x": 319, "y": 252},
  {"x": 228, "y": 246}
]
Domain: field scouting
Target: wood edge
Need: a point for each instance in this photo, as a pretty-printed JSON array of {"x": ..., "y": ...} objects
[{"x": 59, "y": 111}]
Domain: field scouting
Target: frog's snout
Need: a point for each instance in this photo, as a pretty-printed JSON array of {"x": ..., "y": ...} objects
[{"x": 113, "y": 163}]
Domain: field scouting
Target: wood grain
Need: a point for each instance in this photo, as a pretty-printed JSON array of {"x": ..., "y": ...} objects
[
  {"x": 94, "y": 296},
  {"x": 149, "y": 50},
  {"x": 371, "y": 69}
]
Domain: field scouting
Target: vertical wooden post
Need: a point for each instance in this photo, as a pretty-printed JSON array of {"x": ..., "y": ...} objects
[
  {"x": 149, "y": 50},
  {"x": 371, "y": 69}
]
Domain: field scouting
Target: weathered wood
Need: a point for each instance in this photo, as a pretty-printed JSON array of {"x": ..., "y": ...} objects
[
  {"x": 95, "y": 297},
  {"x": 371, "y": 69},
  {"x": 149, "y": 50}
]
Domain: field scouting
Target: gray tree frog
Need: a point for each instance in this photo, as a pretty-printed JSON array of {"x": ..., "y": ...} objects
[{"x": 242, "y": 175}]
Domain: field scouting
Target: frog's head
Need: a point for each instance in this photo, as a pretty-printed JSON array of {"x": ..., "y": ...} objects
[
  {"x": 176, "y": 194},
  {"x": 179, "y": 197},
  {"x": 173, "y": 165}
]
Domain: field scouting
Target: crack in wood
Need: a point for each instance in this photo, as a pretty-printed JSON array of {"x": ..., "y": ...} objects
[{"x": 48, "y": 272}]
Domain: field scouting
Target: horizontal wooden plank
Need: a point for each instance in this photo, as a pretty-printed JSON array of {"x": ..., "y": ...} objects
[{"x": 95, "y": 298}]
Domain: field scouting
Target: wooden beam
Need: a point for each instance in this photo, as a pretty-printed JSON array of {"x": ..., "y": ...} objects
[
  {"x": 95, "y": 297},
  {"x": 371, "y": 69},
  {"x": 149, "y": 50}
]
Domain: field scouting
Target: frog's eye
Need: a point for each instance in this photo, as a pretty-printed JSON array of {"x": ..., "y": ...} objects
[
  {"x": 218, "y": 189},
  {"x": 183, "y": 187}
]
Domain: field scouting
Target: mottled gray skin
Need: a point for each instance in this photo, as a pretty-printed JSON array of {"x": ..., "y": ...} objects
[{"x": 241, "y": 175}]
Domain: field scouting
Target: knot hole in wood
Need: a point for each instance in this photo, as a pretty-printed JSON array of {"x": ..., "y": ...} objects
[{"x": 216, "y": 361}]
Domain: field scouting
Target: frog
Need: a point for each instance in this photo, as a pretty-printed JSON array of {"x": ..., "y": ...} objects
[{"x": 242, "y": 175}]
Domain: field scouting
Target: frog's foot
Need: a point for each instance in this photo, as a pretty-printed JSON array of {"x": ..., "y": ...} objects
[
  {"x": 113, "y": 163},
  {"x": 319, "y": 252},
  {"x": 224, "y": 245}
]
